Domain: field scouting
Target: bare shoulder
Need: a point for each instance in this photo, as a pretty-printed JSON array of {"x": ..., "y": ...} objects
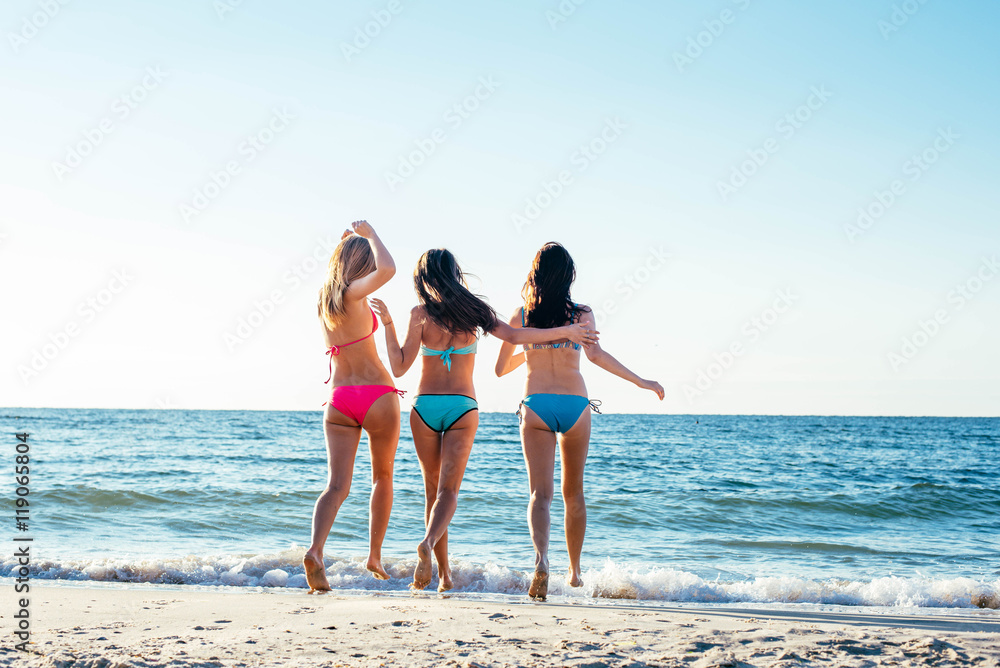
[
  {"x": 418, "y": 314},
  {"x": 586, "y": 313},
  {"x": 516, "y": 316}
]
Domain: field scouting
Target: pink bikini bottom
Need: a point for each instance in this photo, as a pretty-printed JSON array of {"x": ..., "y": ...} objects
[{"x": 355, "y": 400}]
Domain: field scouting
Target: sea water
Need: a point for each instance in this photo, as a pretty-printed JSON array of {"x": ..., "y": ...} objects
[{"x": 719, "y": 509}]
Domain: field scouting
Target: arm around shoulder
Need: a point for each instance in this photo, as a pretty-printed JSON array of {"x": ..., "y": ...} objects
[{"x": 507, "y": 361}]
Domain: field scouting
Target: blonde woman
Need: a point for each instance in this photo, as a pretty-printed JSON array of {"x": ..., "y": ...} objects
[{"x": 363, "y": 395}]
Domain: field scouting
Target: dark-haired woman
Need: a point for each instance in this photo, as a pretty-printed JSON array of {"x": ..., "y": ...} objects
[
  {"x": 443, "y": 329},
  {"x": 556, "y": 403}
]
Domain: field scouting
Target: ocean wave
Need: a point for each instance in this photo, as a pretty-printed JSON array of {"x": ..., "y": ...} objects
[
  {"x": 612, "y": 581},
  {"x": 85, "y": 497}
]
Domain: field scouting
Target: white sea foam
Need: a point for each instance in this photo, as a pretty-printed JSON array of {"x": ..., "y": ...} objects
[{"x": 611, "y": 581}]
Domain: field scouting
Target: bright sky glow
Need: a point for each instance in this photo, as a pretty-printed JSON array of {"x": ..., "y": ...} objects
[{"x": 811, "y": 185}]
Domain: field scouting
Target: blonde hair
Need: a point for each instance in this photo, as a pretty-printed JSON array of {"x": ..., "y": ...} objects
[{"x": 352, "y": 259}]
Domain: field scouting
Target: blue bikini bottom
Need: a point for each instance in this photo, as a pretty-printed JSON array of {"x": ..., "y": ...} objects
[
  {"x": 440, "y": 411},
  {"x": 559, "y": 412}
]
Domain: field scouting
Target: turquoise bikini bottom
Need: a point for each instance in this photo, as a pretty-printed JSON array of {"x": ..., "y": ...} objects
[
  {"x": 559, "y": 412},
  {"x": 440, "y": 411}
]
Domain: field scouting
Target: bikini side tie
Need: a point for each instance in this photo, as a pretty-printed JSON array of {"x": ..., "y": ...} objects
[{"x": 331, "y": 351}]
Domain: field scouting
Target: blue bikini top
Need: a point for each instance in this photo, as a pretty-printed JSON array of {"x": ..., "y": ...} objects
[
  {"x": 445, "y": 355},
  {"x": 542, "y": 346}
]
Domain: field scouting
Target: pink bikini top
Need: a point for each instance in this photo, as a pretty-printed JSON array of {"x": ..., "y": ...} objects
[{"x": 335, "y": 350}]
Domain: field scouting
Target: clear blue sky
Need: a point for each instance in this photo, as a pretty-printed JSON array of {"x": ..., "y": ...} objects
[{"x": 305, "y": 126}]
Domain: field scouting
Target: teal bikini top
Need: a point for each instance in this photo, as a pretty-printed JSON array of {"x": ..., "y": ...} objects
[
  {"x": 542, "y": 346},
  {"x": 445, "y": 355}
]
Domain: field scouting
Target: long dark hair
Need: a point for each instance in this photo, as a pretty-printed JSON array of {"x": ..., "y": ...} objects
[
  {"x": 441, "y": 289},
  {"x": 546, "y": 292}
]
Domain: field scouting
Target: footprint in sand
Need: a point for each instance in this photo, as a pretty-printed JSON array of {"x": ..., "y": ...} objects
[{"x": 302, "y": 611}]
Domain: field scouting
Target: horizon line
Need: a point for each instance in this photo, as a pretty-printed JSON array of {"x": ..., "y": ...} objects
[{"x": 694, "y": 415}]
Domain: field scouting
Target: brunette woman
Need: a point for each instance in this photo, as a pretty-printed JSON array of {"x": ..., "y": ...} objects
[
  {"x": 443, "y": 330},
  {"x": 555, "y": 406}
]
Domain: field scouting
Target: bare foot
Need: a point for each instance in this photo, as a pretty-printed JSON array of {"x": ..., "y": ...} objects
[
  {"x": 422, "y": 573},
  {"x": 574, "y": 580},
  {"x": 375, "y": 567},
  {"x": 444, "y": 581},
  {"x": 315, "y": 573},
  {"x": 539, "y": 588}
]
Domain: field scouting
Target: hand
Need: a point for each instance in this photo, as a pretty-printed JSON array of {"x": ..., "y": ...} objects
[
  {"x": 381, "y": 310},
  {"x": 653, "y": 386},
  {"x": 363, "y": 229},
  {"x": 580, "y": 333}
]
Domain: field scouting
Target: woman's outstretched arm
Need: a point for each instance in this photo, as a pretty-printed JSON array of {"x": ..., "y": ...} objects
[
  {"x": 508, "y": 361},
  {"x": 606, "y": 361},
  {"x": 579, "y": 333},
  {"x": 400, "y": 357},
  {"x": 385, "y": 268}
]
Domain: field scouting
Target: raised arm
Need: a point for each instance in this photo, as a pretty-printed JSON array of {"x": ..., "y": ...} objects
[
  {"x": 400, "y": 357},
  {"x": 385, "y": 268},
  {"x": 508, "y": 361},
  {"x": 606, "y": 361},
  {"x": 577, "y": 333}
]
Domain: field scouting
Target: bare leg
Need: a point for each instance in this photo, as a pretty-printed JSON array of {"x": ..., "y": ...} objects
[
  {"x": 539, "y": 456},
  {"x": 341, "y": 447},
  {"x": 456, "y": 445},
  {"x": 573, "y": 447},
  {"x": 382, "y": 427},
  {"x": 428, "y": 446},
  {"x": 441, "y": 556}
]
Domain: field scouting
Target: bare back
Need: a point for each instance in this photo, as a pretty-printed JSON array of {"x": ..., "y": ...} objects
[
  {"x": 556, "y": 370},
  {"x": 357, "y": 363},
  {"x": 435, "y": 378}
]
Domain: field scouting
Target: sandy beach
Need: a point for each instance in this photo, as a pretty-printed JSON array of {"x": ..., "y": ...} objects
[{"x": 107, "y": 627}]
